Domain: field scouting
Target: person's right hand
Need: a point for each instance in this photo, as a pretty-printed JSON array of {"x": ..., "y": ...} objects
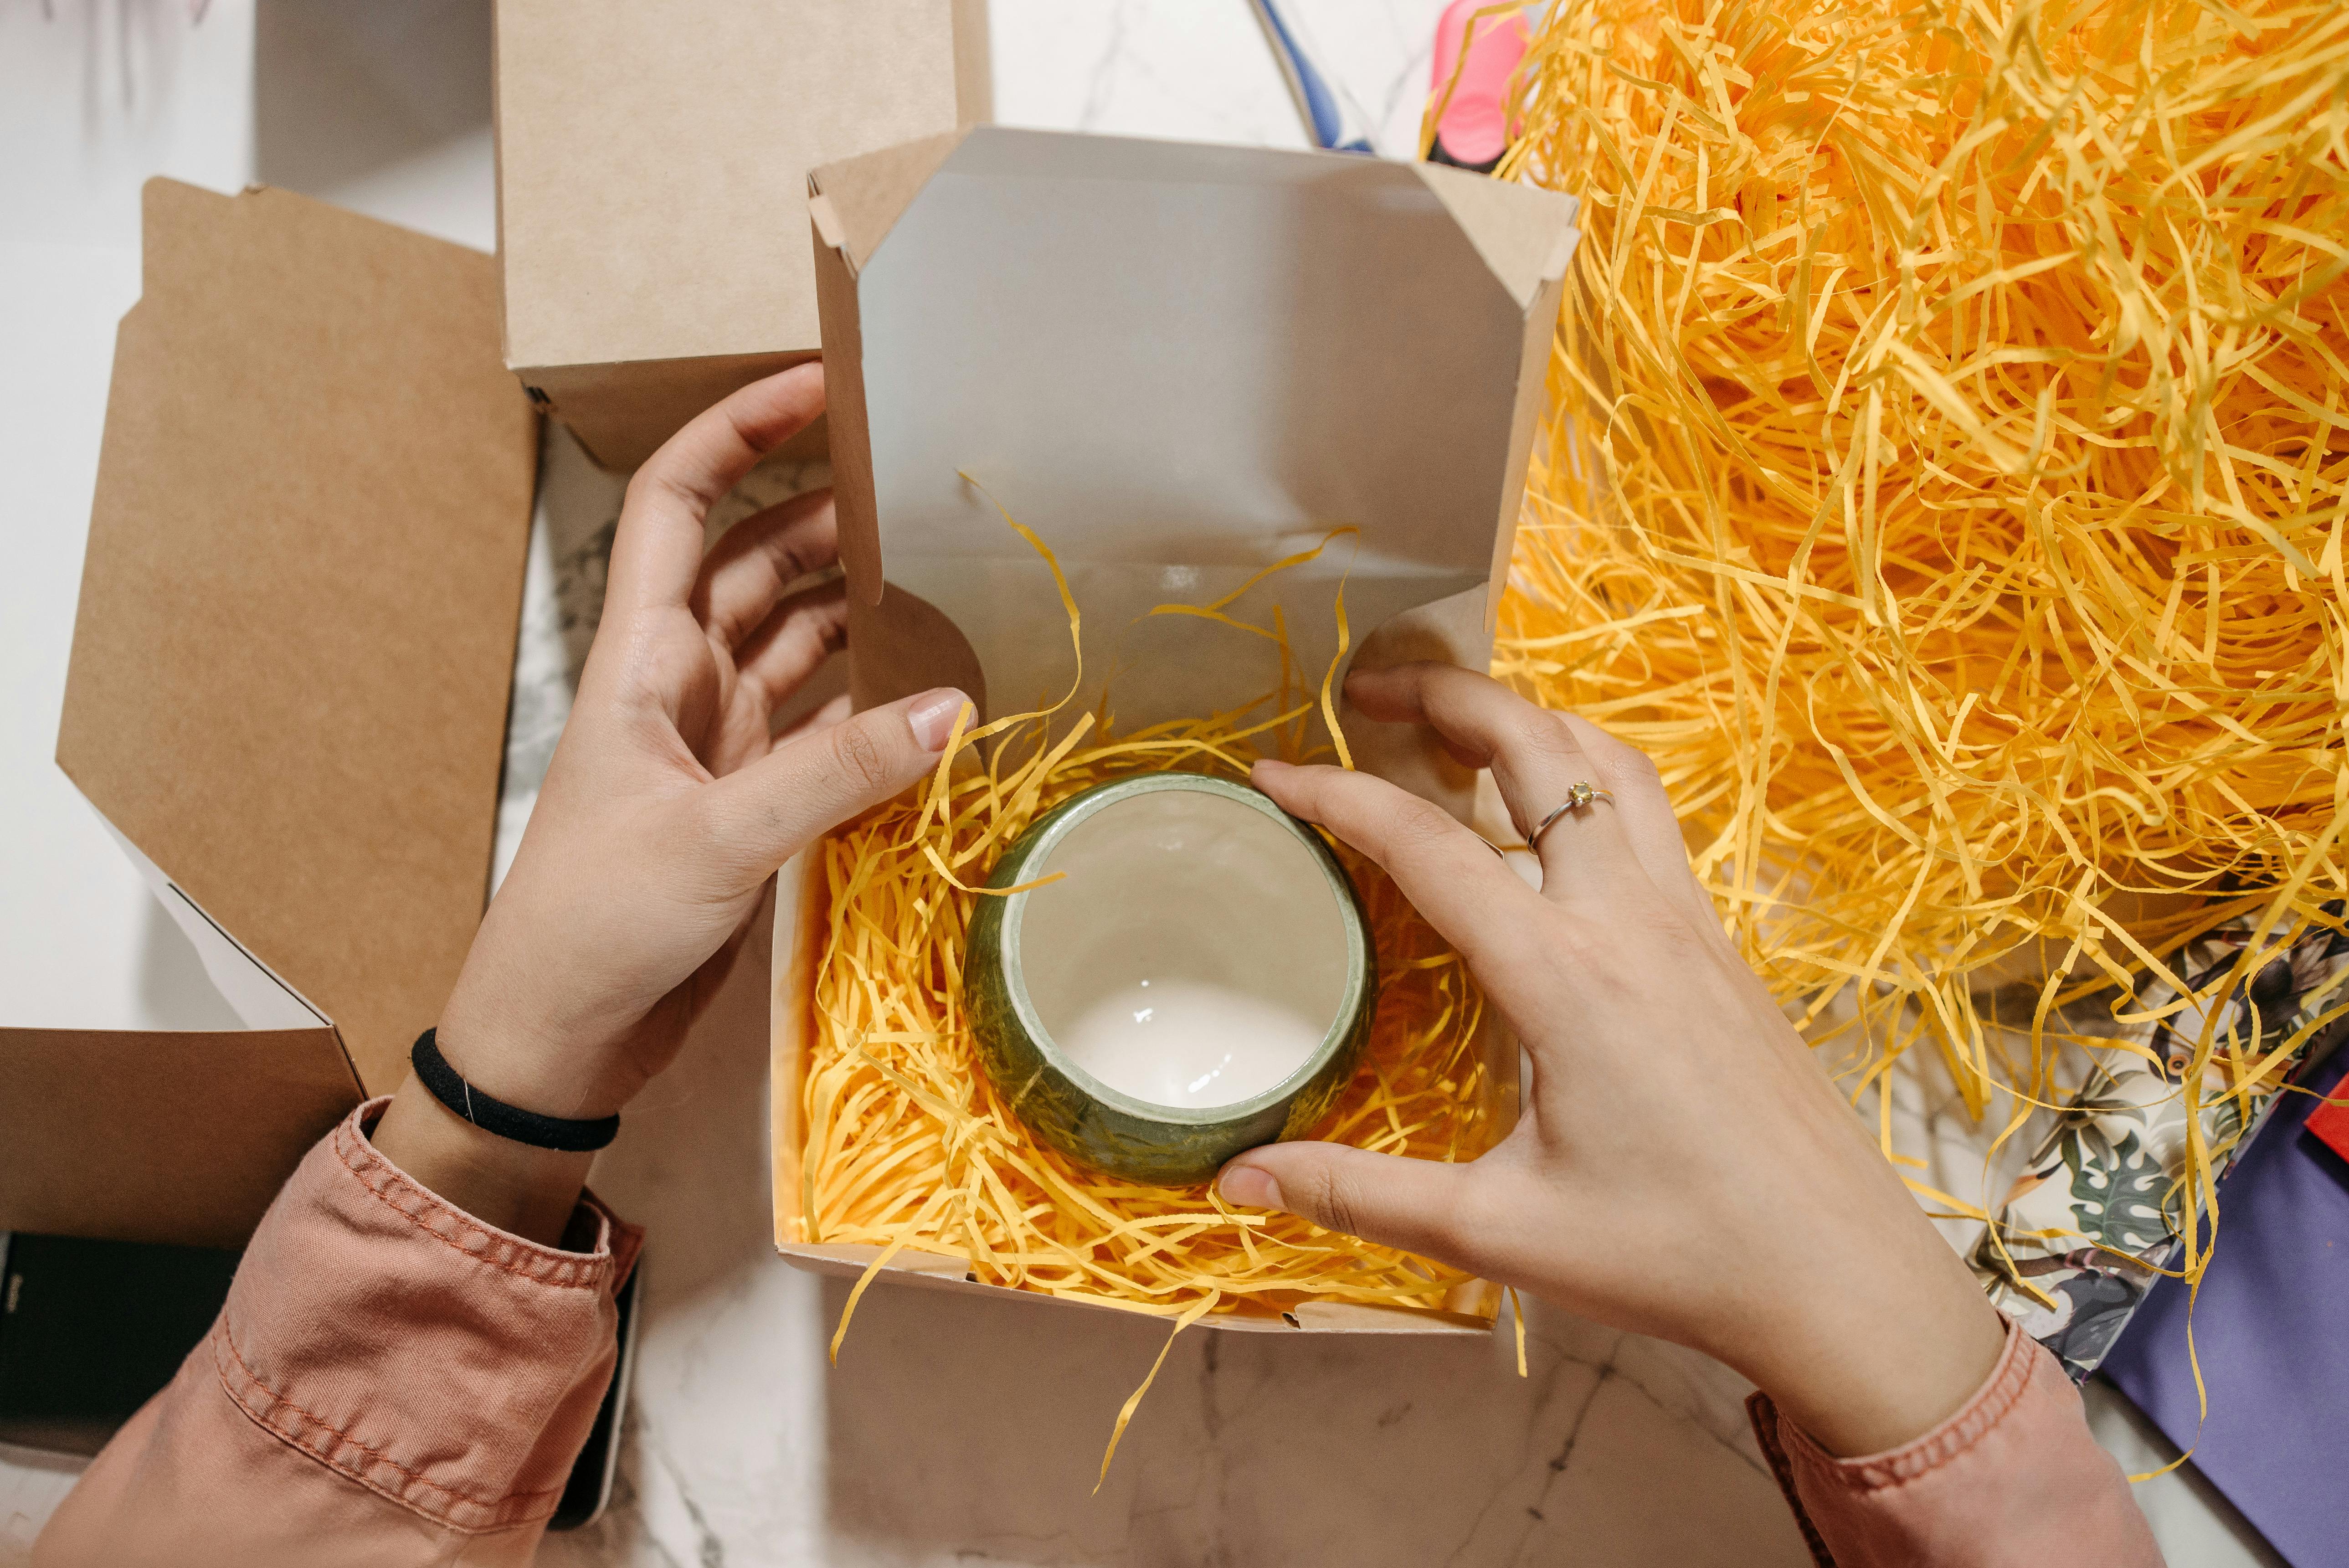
[
  {"x": 1681, "y": 1166},
  {"x": 669, "y": 803}
]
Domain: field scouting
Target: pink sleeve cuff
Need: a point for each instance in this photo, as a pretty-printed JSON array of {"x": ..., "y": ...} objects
[
  {"x": 2014, "y": 1474},
  {"x": 442, "y": 1364}
]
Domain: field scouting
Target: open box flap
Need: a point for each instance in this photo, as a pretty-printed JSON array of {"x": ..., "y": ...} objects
[
  {"x": 938, "y": 1272},
  {"x": 1178, "y": 364},
  {"x": 650, "y": 161},
  {"x": 299, "y": 609},
  {"x": 1528, "y": 244},
  {"x": 855, "y": 203}
]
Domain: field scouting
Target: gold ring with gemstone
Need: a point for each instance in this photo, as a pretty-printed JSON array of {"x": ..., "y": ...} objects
[{"x": 1577, "y": 796}]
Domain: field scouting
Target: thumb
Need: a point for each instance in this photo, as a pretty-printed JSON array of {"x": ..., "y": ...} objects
[
  {"x": 764, "y": 813},
  {"x": 1413, "y": 1204}
]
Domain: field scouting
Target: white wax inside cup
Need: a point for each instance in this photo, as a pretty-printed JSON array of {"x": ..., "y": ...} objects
[{"x": 1193, "y": 955}]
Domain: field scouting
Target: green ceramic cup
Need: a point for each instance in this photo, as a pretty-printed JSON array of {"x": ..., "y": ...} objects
[{"x": 1202, "y": 945}]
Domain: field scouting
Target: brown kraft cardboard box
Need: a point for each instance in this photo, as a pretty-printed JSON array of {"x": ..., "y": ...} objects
[
  {"x": 652, "y": 185},
  {"x": 287, "y": 695},
  {"x": 1178, "y": 364}
]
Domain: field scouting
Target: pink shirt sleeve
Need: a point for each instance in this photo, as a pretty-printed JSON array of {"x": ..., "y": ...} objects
[
  {"x": 2013, "y": 1477},
  {"x": 389, "y": 1375}
]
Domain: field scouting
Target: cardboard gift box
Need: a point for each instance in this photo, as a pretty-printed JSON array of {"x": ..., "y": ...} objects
[
  {"x": 652, "y": 174},
  {"x": 1177, "y": 364},
  {"x": 287, "y": 695}
]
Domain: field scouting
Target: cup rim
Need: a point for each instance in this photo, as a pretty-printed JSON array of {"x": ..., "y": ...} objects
[{"x": 1087, "y": 803}]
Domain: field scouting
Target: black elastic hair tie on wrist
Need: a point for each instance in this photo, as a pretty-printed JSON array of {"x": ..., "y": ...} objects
[{"x": 495, "y": 1116}]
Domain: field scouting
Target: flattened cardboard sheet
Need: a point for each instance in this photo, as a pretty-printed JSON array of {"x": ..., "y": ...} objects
[
  {"x": 291, "y": 663},
  {"x": 1178, "y": 364},
  {"x": 146, "y": 1136}
]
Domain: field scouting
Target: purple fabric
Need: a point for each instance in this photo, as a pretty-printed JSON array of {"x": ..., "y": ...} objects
[{"x": 2272, "y": 1327}]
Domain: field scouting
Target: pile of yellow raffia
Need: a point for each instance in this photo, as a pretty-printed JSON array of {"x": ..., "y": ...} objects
[{"x": 1946, "y": 482}]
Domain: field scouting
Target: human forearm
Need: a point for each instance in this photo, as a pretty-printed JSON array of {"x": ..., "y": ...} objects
[
  {"x": 530, "y": 1192},
  {"x": 2011, "y": 1471},
  {"x": 1681, "y": 1165},
  {"x": 1858, "y": 1320},
  {"x": 390, "y": 1375},
  {"x": 1868, "y": 1374},
  {"x": 409, "y": 1354}
]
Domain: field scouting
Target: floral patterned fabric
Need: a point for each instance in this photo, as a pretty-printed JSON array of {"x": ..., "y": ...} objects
[{"x": 2102, "y": 1173}]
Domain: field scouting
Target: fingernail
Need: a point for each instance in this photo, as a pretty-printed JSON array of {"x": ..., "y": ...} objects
[
  {"x": 933, "y": 716},
  {"x": 1271, "y": 765},
  {"x": 1249, "y": 1187}
]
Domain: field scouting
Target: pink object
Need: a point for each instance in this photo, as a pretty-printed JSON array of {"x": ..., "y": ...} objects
[
  {"x": 1475, "y": 128},
  {"x": 391, "y": 1382},
  {"x": 2013, "y": 1477}
]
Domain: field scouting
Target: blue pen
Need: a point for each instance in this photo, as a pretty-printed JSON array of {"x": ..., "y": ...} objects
[{"x": 1324, "y": 118}]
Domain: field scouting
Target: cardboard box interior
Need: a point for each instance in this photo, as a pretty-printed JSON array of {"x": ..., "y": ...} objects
[
  {"x": 286, "y": 696},
  {"x": 1177, "y": 364},
  {"x": 652, "y": 176}
]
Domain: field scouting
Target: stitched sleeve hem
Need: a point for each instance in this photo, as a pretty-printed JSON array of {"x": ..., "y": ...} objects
[
  {"x": 1975, "y": 1420},
  {"x": 442, "y": 1220},
  {"x": 486, "y": 1479},
  {"x": 1764, "y": 1416}
]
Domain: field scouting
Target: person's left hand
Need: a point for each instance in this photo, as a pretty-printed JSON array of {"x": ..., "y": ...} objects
[
  {"x": 667, "y": 806},
  {"x": 1681, "y": 1165}
]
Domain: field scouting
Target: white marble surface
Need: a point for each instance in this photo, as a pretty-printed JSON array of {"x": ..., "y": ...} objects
[{"x": 951, "y": 1431}]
